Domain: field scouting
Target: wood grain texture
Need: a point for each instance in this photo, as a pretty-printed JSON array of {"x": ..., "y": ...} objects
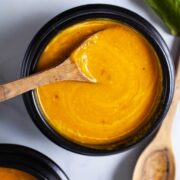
[
  {"x": 158, "y": 166},
  {"x": 68, "y": 70},
  {"x": 157, "y": 160}
]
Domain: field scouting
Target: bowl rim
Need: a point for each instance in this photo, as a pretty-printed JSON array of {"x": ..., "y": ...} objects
[
  {"x": 30, "y": 161},
  {"x": 77, "y": 14}
]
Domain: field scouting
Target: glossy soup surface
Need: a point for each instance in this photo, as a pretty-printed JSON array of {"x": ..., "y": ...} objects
[
  {"x": 128, "y": 88},
  {"x": 14, "y": 174}
]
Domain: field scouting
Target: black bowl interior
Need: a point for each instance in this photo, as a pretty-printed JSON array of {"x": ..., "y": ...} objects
[
  {"x": 95, "y": 11},
  {"x": 30, "y": 161}
]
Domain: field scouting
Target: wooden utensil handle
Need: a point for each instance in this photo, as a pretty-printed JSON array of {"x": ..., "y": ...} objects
[
  {"x": 18, "y": 87},
  {"x": 66, "y": 71},
  {"x": 165, "y": 130}
]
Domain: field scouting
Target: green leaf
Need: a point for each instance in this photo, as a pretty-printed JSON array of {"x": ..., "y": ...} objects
[{"x": 169, "y": 11}]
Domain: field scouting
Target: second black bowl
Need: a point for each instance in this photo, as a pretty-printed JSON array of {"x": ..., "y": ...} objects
[{"x": 30, "y": 161}]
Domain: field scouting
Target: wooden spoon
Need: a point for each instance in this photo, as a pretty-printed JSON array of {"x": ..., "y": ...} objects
[
  {"x": 68, "y": 70},
  {"x": 157, "y": 161}
]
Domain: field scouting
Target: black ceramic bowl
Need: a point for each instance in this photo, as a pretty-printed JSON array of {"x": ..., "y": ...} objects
[
  {"x": 30, "y": 161},
  {"x": 74, "y": 16}
]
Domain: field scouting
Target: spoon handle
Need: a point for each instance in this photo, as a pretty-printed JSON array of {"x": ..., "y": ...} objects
[
  {"x": 65, "y": 71},
  {"x": 165, "y": 130}
]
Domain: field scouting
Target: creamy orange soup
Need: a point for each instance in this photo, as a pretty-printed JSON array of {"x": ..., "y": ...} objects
[
  {"x": 128, "y": 88},
  {"x": 14, "y": 174}
]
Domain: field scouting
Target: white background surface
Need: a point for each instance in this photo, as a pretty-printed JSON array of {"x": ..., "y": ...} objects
[{"x": 19, "y": 21}]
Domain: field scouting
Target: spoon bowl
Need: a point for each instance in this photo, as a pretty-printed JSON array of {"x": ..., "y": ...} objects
[{"x": 156, "y": 162}]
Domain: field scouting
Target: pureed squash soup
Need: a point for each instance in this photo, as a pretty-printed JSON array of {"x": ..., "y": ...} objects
[
  {"x": 14, "y": 174},
  {"x": 128, "y": 88}
]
